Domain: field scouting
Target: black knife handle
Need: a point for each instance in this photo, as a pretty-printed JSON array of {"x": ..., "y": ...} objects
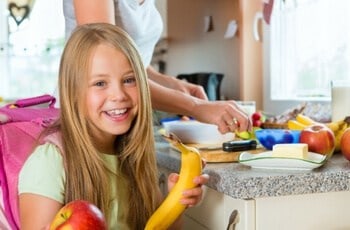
[{"x": 237, "y": 146}]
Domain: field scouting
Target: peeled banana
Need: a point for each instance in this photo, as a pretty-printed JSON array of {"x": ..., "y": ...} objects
[
  {"x": 338, "y": 127},
  {"x": 171, "y": 208}
]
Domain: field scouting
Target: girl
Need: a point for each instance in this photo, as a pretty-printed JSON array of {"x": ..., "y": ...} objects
[{"x": 107, "y": 152}]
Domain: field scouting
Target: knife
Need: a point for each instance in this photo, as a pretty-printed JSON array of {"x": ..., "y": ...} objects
[{"x": 237, "y": 146}]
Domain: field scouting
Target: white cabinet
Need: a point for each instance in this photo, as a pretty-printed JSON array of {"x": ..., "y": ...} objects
[
  {"x": 321, "y": 211},
  {"x": 215, "y": 210},
  {"x": 303, "y": 212}
]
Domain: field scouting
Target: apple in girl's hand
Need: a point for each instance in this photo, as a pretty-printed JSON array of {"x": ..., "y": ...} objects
[
  {"x": 79, "y": 215},
  {"x": 345, "y": 144},
  {"x": 319, "y": 138}
]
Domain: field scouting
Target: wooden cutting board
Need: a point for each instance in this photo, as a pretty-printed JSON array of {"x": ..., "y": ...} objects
[{"x": 220, "y": 156}]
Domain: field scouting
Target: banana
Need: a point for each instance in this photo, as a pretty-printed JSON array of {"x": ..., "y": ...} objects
[
  {"x": 334, "y": 126},
  {"x": 171, "y": 208},
  {"x": 338, "y": 134},
  {"x": 304, "y": 119},
  {"x": 295, "y": 125},
  {"x": 343, "y": 125}
]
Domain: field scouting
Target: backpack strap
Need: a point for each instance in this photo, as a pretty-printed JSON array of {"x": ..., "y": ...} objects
[
  {"x": 22, "y": 103},
  {"x": 28, "y": 109}
]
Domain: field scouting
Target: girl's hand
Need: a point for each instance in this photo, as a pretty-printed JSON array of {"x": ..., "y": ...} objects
[{"x": 191, "y": 197}]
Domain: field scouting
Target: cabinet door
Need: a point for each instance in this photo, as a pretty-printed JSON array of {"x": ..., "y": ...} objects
[
  {"x": 322, "y": 211},
  {"x": 191, "y": 224},
  {"x": 215, "y": 209}
]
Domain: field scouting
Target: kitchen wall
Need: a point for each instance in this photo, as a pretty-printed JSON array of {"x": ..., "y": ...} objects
[{"x": 190, "y": 49}]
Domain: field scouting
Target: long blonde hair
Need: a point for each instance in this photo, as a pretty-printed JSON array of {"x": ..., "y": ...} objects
[{"x": 86, "y": 175}]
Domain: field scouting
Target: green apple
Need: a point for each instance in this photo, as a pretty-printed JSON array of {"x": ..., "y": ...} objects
[{"x": 245, "y": 135}]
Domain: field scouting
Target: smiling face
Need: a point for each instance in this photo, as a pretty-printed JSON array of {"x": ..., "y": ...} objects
[{"x": 112, "y": 95}]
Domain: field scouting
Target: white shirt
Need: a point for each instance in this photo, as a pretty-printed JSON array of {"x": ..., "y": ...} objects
[{"x": 142, "y": 22}]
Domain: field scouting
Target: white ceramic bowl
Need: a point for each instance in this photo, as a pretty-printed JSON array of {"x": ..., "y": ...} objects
[{"x": 194, "y": 132}]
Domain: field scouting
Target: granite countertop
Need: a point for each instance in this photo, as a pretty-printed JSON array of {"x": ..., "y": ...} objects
[{"x": 242, "y": 182}]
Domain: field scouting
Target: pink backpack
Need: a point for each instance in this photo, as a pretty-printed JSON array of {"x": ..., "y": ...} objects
[{"x": 20, "y": 126}]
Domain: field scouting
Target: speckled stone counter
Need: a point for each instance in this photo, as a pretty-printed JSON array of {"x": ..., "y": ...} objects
[{"x": 242, "y": 182}]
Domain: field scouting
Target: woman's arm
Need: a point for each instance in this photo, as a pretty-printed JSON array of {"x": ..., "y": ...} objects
[
  {"x": 220, "y": 113},
  {"x": 36, "y": 212},
  {"x": 177, "y": 84},
  {"x": 90, "y": 11}
]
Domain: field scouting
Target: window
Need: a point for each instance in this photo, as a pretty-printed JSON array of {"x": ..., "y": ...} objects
[
  {"x": 309, "y": 46},
  {"x": 30, "y": 51}
]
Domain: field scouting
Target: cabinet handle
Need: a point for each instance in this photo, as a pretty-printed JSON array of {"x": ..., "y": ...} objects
[
  {"x": 258, "y": 17},
  {"x": 233, "y": 220}
]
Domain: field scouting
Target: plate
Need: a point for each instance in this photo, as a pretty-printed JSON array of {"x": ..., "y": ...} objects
[
  {"x": 195, "y": 132},
  {"x": 265, "y": 161}
]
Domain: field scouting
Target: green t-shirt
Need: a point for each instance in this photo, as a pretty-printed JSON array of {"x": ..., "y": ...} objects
[{"x": 43, "y": 174}]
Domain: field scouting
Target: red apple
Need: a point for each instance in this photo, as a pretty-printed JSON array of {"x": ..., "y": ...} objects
[
  {"x": 319, "y": 138},
  {"x": 79, "y": 215},
  {"x": 256, "y": 116},
  {"x": 345, "y": 144},
  {"x": 258, "y": 119},
  {"x": 257, "y": 123}
]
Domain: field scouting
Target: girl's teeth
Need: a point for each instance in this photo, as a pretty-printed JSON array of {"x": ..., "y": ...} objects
[{"x": 116, "y": 112}]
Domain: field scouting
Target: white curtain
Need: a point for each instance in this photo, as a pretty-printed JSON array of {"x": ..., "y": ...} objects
[{"x": 310, "y": 46}]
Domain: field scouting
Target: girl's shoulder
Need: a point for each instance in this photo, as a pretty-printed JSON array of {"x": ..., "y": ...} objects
[
  {"x": 43, "y": 173},
  {"x": 47, "y": 152}
]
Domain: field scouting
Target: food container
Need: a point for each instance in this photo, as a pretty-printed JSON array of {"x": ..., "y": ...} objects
[
  {"x": 194, "y": 132},
  {"x": 269, "y": 137}
]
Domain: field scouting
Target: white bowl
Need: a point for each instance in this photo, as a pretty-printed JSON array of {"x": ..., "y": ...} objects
[{"x": 194, "y": 132}]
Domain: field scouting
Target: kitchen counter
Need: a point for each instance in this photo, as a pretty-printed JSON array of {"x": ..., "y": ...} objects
[
  {"x": 266, "y": 199},
  {"x": 242, "y": 182}
]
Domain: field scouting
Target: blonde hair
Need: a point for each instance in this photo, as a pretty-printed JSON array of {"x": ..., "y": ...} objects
[{"x": 86, "y": 175}]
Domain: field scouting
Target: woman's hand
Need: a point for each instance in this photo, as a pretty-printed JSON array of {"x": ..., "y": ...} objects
[
  {"x": 193, "y": 102},
  {"x": 191, "y": 89},
  {"x": 227, "y": 115},
  {"x": 191, "y": 197}
]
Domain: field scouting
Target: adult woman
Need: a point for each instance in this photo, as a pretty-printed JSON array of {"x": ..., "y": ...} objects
[{"x": 142, "y": 21}]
